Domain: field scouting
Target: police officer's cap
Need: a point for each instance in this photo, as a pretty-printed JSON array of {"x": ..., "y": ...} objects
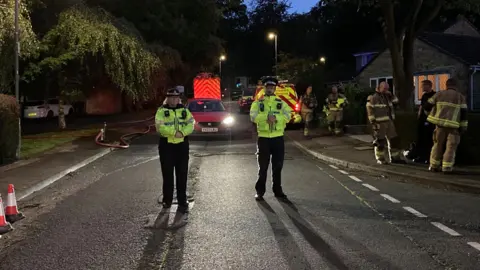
[
  {"x": 270, "y": 81},
  {"x": 173, "y": 92}
]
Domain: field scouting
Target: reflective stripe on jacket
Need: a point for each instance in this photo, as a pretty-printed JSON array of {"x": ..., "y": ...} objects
[
  {"x": 449, "y": 109},
  {"x": 270, "y": 105},
  {"x": 170, "y": 120},
  {"x": 380, "y": 107},
  {"x": 335, "y": 102}
]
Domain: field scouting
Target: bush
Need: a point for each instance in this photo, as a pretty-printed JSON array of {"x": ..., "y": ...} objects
[
  {"x": 9, "y": 114},
  {"x": 356, "y": 113},
  {"x": 468, "y": 152}
]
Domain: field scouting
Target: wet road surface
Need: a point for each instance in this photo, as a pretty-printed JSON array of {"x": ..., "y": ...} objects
[{"x": 106, "y": 216}]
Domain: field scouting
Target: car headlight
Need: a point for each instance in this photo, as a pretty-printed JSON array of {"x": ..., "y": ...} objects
[{"x": 228, "y": 120}]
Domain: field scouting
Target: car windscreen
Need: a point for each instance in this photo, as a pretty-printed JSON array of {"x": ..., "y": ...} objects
[
  {"x": 206, "y": 106},
  {"x": 249, "y": 92},
  {"x": 35, "y": 103}
]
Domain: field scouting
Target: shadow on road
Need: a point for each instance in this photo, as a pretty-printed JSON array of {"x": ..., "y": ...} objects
[
  {"x": 322, "y": 247},
  {"x": 165, "y": 246},
  {"x": 291, "y": 251}
]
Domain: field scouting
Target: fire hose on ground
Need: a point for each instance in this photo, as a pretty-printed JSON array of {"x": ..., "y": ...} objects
[{"x": 124, "y": 139}]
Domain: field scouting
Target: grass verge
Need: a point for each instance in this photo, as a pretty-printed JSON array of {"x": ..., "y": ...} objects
[{"x": 35, "y": 144}]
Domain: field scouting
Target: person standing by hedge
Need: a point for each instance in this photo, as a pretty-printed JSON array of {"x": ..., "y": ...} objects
[
  {"x": 335, "y": 103},
  {"x": 425, "y": 129},
  {"x": 381, "y": 114},
  {"x": 449, "y": 114},
  {"x": 308, "y": 103}
]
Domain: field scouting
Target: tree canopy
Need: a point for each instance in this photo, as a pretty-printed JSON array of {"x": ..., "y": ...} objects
[{"x": 131, "y": 42}]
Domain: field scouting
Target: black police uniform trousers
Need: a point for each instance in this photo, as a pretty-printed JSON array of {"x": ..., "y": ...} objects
[
  {"x": 266, "y": 147},
  {"x": 424, "y": 138},
  {"x": 174, "y": 159}
]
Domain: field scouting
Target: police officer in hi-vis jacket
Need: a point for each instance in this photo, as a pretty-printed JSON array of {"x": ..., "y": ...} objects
[
  {"x": 174, "y": 123},
  {"x": 271, "y": 115}
]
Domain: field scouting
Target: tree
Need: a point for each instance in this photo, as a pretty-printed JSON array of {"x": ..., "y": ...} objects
[
  {"x": 294, "y": 68},
  {"x": 28, "y": 44},
  {"x": 401, "y": 23},
  {"x": 86, "y": 43}
]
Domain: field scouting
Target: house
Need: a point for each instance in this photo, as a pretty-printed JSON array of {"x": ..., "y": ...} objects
[{"x": 438, "y": 55}]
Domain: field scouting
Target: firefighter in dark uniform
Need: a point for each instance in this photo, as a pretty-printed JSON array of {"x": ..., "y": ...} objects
[
  {"x": 271, "y": 115},
  {"x": 174, "y": 123},
  {"x": 425, "y": 129}
]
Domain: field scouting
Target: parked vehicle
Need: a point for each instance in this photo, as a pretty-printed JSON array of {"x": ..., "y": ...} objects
[{"x": 37, "y": 109}]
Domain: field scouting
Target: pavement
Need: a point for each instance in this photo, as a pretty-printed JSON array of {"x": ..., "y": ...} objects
[
  {"x": 105, "y": 215},
  {"x": 356, "y": 152}
]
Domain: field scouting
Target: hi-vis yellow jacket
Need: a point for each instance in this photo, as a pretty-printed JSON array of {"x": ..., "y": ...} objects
[
  {"x": 449, "y": 109},
  {"x": 270, "y": 105},
  {"x": 336, "y": 102},
  {"x": 170, "y": 120},
  {"x": 380, "y": 107}
]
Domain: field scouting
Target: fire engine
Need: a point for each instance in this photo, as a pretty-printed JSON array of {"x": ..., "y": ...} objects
[{"x": 207, "y": 85}]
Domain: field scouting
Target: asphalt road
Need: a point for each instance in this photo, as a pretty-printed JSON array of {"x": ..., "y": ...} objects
[{"x": 106, "y": 216}]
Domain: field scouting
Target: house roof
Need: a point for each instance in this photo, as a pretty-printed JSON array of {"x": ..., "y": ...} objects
[
  {"x": 463, "y": 48},
  {"x": 378, "y": 44}
]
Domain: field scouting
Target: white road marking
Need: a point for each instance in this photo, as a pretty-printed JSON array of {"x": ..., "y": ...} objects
[
  {"x": 390, "y": 198},
  {"x": 445, "y": 229},
  {"x": 354, "y": 178},
  {"x": 370, "y": 187},
  {"x": 344, "y": 172},
  {"x": 415, "y": 212},
  {"x": 475, "y": 245},
  {"x": 334, "y": 167}
]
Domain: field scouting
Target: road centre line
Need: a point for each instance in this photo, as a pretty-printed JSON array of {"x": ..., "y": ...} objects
[
  {"x": 475, "y": 245},
  {"x": 390, "y": 198},
  {"x": 344, "y": 172},
  {"x": 414, "y": 212},
  {"x": 334, "y": 167},
  {"x": 354, "y": 178},
  {"x": 445, "y": 229},
  {"x": 370, "y": 187}
]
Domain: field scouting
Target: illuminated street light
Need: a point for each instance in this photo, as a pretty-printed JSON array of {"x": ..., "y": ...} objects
[
  {"x": 220, "y": 60},
  {"x": 273, "y": 36},
  {"x": 322, "y": 60}
]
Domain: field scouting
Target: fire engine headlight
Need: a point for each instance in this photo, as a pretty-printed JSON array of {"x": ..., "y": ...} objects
[{"x": 228, "y": 121}]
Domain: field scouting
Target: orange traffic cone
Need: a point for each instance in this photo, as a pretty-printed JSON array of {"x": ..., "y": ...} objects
[
  {"x": 12, "y": 211},
  {"x": 4, "y": 225}
]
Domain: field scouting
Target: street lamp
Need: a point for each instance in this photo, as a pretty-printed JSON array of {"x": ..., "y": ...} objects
[
  {"x": 322, "y": 60},
  {"x": 273, "y": 36},
  {"x": 17, "y": 76},
  {"x": 220, "y": 60}
]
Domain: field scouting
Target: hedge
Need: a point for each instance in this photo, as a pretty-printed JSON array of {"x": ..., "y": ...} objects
[{"x": 9, "y": 114}]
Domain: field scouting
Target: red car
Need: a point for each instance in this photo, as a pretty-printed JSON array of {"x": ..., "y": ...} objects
[{"x": 211, "y": 117}]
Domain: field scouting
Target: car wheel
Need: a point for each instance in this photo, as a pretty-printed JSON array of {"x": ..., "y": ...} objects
[{"x": 50, "y": 114}]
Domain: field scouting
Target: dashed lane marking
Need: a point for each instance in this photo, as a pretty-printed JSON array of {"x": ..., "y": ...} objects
[
  {"x": 475, "y": 245},
  {"x": 390, "y": 198},
  {"x": 445, "y": 229},
  {"x": 414, "y": 212},
  {"x": 354, "y": 178},
  {"x": 370, "y": 187},
  {"x": 334, "y": 167},
  {"x": 344, "y": 172}
]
